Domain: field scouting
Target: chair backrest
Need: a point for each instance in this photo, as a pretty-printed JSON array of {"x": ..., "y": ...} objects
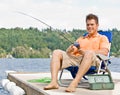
[{"x": 108, "y": 34}]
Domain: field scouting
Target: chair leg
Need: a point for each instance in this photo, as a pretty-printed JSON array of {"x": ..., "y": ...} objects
[
  {"x": 60, "y": 80},
  {"x": 81, "y": 85},
  {"x": 60, "y": 76},
  {"x": 99, "y": 67}
]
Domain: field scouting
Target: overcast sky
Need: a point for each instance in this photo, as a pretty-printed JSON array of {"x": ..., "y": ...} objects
[{"x": 61, "y": 14}]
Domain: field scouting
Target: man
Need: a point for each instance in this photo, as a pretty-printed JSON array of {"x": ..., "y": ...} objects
[{"x": 83, "y": 56}]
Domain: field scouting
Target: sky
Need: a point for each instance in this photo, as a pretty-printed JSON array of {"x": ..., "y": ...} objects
[{"x": 60, "y": 14}]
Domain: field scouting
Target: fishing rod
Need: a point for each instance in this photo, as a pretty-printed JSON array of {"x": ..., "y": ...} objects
[{"x": 44, "y": 24}]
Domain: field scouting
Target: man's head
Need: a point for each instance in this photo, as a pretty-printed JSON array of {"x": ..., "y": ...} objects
[
  {"x": 92, "y": 23},
  {"x": 92, "y": 16}
]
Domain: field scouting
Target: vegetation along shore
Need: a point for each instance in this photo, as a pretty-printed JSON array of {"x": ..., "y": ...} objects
[{"x": 34, "y": 43}]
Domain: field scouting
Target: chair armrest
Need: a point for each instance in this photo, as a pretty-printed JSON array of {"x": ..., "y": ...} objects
[{"x": 102, "y": 57}]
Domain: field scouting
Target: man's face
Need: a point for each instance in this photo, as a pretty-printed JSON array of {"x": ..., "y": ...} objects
[{"x": 92, "y": 26}]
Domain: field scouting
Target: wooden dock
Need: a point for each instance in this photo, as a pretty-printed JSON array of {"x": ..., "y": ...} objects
[{"x": 21, "y": 79}]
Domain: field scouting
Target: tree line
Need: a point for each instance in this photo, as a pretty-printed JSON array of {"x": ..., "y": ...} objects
[{"x": 35, "y": 43}]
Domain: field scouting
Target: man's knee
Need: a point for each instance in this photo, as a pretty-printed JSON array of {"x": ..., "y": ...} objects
[
  {"x": 89, "y": 54},
  {"x": 92, "y": 56},
  {"x": 57, "y": 52}
]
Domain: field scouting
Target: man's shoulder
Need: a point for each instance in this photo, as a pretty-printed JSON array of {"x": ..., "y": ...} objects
[{"x": 102, "y": 36}]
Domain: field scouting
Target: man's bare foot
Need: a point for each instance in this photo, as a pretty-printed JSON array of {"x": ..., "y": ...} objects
[
  {"x": 51, "y": 86},
  {"x": 70, "y": 89}
]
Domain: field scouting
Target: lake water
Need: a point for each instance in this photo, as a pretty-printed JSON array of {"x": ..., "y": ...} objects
[{"x": 37, "y": 65}]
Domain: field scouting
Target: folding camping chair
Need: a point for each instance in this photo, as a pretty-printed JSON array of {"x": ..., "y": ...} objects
[{"x": 92, "y": 72}]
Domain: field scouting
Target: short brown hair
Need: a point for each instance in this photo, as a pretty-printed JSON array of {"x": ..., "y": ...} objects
[{"x": 92, "y": 16}]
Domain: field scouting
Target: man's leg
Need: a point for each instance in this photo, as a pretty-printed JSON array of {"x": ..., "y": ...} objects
[
  {"x": 83, "y": 68},
  {"x": 55, "y": 67}
]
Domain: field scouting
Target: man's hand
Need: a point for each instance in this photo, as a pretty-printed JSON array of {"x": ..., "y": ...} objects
[{"x": 72, "y": 49}]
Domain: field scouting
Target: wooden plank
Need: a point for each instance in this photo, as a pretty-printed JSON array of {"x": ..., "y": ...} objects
[{"x": 37, "y": 88}]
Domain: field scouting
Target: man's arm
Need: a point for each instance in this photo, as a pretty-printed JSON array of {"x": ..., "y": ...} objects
[
  {"x": 103, "y": 51},
  {"x": 71, "y": 49},
  {"x": 104, "y": 46}
]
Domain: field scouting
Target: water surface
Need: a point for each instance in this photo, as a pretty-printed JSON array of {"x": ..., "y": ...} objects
[{"x": 37, "y": 65}]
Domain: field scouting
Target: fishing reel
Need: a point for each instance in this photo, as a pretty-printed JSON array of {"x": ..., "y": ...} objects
[{"x": 76, "y": 44}]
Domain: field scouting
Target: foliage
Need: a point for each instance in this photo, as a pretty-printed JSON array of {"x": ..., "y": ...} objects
[{"x": 34, "y": 43}]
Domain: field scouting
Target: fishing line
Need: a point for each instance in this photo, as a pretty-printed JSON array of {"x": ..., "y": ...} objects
[
  {"x": 45, "y": 24},
  {"x": 75, "y": 43}
]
